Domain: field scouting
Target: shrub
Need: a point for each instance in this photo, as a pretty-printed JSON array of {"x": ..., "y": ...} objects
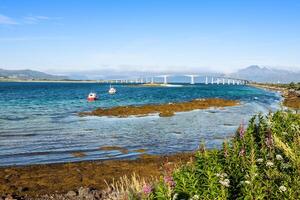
[{"x": 261, "y": 162}]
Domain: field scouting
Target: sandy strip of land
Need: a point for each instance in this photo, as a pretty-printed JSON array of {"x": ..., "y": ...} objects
[{"x": 164, "y": 110}]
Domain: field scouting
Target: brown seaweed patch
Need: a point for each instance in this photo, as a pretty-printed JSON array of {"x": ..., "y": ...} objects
[
  {"x": 164, "y": 110},
  {"x": 146, "y": 156},
  {"x": 292, "y": 101},
  {"x": 78, "y": 154},
  {"x": 112, "y": 148},
  {"x": 166, "y": 114},
  {"x": 140, "y": 150},
  {"x": 61, "y": 178}
]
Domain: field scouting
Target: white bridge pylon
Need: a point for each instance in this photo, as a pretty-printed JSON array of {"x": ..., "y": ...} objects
[
  {"x": 192, "y": 78},
  {"x": 165, "y": 78}
]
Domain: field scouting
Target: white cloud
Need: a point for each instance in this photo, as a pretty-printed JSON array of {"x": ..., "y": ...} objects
[
  {"x": 37, "y": 19},
  {"x": 7, "y": 20},
  {"x": 32, "y": 19},
  {"x": 35, "y": 38}
]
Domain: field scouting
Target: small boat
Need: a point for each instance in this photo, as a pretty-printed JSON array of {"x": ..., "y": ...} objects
[
  {"x": 92, "y": 96},
  {"x": 112, "y": 90}
]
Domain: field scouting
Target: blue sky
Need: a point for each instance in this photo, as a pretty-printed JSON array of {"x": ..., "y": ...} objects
[{"x": 149, "y": 35}]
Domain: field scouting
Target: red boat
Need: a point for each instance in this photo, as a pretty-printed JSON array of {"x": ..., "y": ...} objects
[{"x": 92, "y": 96}]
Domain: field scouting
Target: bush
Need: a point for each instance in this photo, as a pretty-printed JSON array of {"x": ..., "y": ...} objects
[{"x": 262, "y": 162}]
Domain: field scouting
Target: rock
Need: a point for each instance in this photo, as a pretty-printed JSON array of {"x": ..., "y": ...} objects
[
  {"x": 83, "y": 191},
  {"x": 7, "y": 176},
  {"x": 89, "y": 194},
  {"x": 9, "y": 197},
  {"x": 71, "y": 194}
]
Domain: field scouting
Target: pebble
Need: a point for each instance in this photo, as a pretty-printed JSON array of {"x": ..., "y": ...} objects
[
  {"x": 9, "y": 197},
  {"x": 71, "y": 194}
]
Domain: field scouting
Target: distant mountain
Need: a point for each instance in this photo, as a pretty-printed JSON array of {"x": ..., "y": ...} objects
[
  {"x": 29, "y": 74},
  {"x": 267, "y": 75}
]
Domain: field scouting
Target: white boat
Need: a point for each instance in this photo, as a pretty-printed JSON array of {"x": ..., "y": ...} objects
[
  {"x": 112, "y": 90},
  {"x": 92, "y": 96}
]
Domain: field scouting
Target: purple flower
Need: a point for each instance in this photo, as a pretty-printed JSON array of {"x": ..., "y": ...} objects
[
  {"x": 242, "y": 152},
  {"x": 147, "y": 189},
  {"x": 242, "y": 131},
  {"x": 169, "y": 181}
]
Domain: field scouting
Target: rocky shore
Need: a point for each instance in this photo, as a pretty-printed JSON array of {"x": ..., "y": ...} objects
[
  {"x": 291, "y": 96},
  {"x": 164, "y": 110},
  {"x": 81, "y": 180}
]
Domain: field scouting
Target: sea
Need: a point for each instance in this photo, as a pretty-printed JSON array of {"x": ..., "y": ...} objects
[{"x": 39, "y": 122}]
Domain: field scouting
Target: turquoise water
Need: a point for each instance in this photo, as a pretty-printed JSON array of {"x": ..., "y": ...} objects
[{"x": 39, "y": 121}]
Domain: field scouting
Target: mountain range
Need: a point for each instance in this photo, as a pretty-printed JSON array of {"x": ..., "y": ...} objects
[
  {"x": 29, "y": 74},
  {"x": 253, "y": 73},
  {"x": 266, "y": 75}
]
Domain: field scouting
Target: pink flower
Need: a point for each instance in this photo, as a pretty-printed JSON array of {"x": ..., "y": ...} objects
[
  {"x": 147, "y": 189},
  {"x": 242, "y": 152},
  {"x": 169, "y": 181},
  {"x": 242, "y": 131}
]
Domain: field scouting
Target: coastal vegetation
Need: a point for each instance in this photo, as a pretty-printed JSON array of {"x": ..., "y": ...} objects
[
  {"x": 164, "y": 110},
  {"x": 260, "y": 162}
]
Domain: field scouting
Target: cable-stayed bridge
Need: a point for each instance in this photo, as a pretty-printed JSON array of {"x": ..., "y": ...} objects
[{"x": 193, "y": 78}]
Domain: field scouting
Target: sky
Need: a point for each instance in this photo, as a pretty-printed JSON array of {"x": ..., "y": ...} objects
[{"x": 149, "y": 35}]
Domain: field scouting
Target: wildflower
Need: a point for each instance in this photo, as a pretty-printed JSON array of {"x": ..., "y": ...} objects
[
  {"x": 195, "y": 197},
  {"x": 169, "y": 181},
  {"x": 242, "y": 152},
  {"x": 282, "y": 188},
  {"x": 222, "y": 175},
  {"x": 269, "y": 164},
  {"x": 242, "y": 131},
  {"x": 175, "y": 196},
  {"x": 247, "y": 182},
  {"x": 225, "y": 182},
  {"x": 260, "y": 160},
  {"x": 147, "y": 189},
  {"x": 279, "y": 157}
]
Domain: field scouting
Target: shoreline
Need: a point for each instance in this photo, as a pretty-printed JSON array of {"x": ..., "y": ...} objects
[
  {"x": 45, "y": 179},
  {"x": 291, "y": 99}
]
